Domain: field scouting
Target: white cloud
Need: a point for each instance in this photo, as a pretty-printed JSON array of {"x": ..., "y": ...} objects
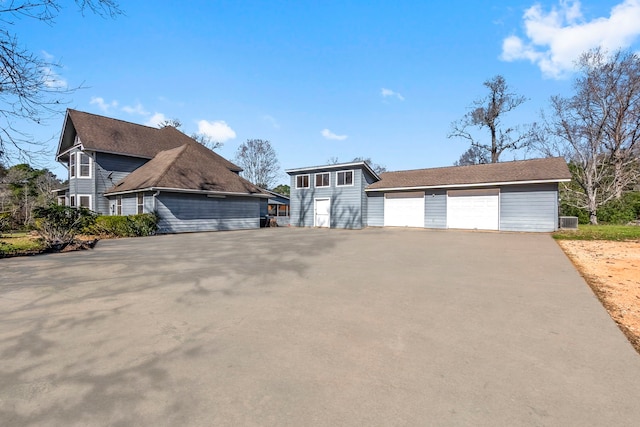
[
  {"x": 330, "y": 135},
  {"x": 389, "y": 93},
  {"x": 155, "y": 119},
  {"x": 558, "y": 37},
  {"x": 51, "y": 78},
  {"x": 218, "y": 130},
  {"x": 102, "y": 105},
  {"x": 137, "y": 109},
  {"x": 271, "y": 120}
]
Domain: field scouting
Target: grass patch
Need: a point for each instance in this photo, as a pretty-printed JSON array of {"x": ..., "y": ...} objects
[
  {"x": 616, "y": 233},
  {"x": 19, "y": 244}
]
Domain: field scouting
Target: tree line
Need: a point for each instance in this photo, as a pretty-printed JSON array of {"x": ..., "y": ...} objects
[{"x": 596, "y": 129}]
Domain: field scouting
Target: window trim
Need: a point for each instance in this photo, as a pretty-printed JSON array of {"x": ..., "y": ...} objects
[
  {"x": 140, "y": 203},
  {"x": 72, "y": 165},
  {"x": 345, "y": 185},
  {"x": 80, "y": 164},
  {"x": 72, "y": 201},
  {"x": 119, "y": 205},
  {"x": 319, "y": 174},
  {"x": 79, "y": 198},
  {"x": 308, "y": 180}
]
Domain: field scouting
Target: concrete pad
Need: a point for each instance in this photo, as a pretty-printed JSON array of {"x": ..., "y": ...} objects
[{"x": 299, "y": 327}]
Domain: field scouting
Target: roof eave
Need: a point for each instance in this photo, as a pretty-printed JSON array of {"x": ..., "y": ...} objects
[
  {"x": 482, "y": 184},
  {"x": 186, "y": 190}
]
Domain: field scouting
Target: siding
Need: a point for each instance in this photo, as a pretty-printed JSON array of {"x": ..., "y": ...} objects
[
  {"x": 83, "y": 186},
  {"x": 346, "y": 202},
  {"x": 195, "y": 212},
  {"x": 375, "y": 209},
  {"x": 435, "y": 209},
  {"x": 529, "y": 207},
  {"x": 109, "y": 170}
]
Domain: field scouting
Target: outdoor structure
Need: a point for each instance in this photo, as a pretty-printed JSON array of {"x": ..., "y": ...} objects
[
  {"x": 121, "y": 168},
  {"x": 509, "y": 196},
  {"x": 278, "y": 208}
]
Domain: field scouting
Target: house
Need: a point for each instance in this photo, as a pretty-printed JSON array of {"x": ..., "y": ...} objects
[
  {"x": 509, "y": 196},
  {"x": 121, "y": 168},
  {"x": 278, "y": 208}
]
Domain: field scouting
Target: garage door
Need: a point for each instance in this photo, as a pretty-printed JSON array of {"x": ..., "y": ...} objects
[
  {"x": 473, "y": 209},
  {"x": 404, "y": 209}
]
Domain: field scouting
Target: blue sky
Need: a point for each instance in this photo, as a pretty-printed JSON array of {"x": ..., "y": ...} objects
[{"x": 322, "y": 79}]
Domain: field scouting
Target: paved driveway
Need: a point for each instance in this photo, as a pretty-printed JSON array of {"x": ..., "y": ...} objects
[{"x": 311, "y": 327}]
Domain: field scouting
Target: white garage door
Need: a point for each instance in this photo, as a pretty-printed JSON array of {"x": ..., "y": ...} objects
[
  {"x": 473, "y": 209},
  {"x": 404, "y": 209}
]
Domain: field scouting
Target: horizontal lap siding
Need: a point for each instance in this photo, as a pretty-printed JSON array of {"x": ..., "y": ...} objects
[
  {"x": 375, "y": 209},
  {"x": 110, "y": 169},
  {"x": 187, "y": 213},
  {"x": 435, "y": 209},
  {"x": 346, "y": 202},
  {"x": 529, "y": 208}
]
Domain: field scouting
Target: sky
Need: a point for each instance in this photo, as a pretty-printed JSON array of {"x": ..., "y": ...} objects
[{"x": 322, "y": 79}]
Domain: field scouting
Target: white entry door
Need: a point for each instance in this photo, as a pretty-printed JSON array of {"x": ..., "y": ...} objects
[
  {"x": 322, "y": 210},
  {"x": 473, "y": 209}
]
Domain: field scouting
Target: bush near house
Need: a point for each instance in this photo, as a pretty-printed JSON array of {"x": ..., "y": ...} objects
[
  {"x": 124, "y": 226},
  {"x": 59, "y": 225}
]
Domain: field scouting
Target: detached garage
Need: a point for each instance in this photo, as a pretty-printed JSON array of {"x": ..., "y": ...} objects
[{"x": 509, "y": 196}]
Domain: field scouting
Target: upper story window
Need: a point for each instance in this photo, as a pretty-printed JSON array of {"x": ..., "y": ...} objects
[
  {"x": 302, "y": 181},
  {"x": 79, "y": 165},
  {"x": 344, "y": 178},
  {"x": 322, "y": 179},
  {"x": 72, "y": 165}
]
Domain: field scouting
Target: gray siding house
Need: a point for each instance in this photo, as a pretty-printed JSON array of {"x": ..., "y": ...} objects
[
  {"x": 509, "y": 196},
  {"x": 121, "y": 168}
]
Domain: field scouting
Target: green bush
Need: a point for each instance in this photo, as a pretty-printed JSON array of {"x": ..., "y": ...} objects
[
  {"x": 621, "y": 211},
  {"x": 58, "y": 225},
  {"x": 125, "y": 226},
  {"x": 568, "y": 210}
]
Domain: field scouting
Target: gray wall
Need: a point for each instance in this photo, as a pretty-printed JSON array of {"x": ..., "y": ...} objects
[
  {"x": 110, "y": 169},
  {"x": 375, "y": 209},
  {"x": 346, "y": 201},
  {"x": 196, "y": 212},
  {"x": 83, "y": 186},
  {"x": 435, "y": 208},
  {"x": 529, "y": 207}
]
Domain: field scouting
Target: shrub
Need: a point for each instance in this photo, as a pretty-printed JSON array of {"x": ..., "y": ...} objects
[
  {"x": 125, "y": 226},
  {"x": 621, "y": 211},
  {"x": 568, "y": 210},
  {"x": 58, "y": 225}
]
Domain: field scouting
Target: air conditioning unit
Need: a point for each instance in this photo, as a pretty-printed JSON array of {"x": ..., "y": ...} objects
[{"x": 569, "y": 222}]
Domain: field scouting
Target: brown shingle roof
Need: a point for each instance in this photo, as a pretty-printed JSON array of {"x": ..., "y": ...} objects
[
  {"x": 104, "y": 134},
  {"x": 549, "y": 169},
  {"x": 187, "y": 167}
]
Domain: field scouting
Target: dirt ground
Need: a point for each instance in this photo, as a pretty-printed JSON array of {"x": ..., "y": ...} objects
[{"x": 612, "y": 269}]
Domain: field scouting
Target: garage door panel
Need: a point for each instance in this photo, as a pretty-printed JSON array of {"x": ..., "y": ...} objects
[
  {"x": 473, "y": 209},
  {"x": 404, "y": 209}
]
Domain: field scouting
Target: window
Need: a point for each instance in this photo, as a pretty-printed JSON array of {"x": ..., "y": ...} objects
[
  {"x": 140, "y": 203},
  {"x": 322, "y": 179},
  {"x": 80, "y": 163},
  {"x": 72, "y": 201},
  {"x": 302, "y": 181},
  {"x": 72, "y": 165},
  {"x": 85, "y": 201},
  {"x": 62, "y": 201},
  {"x": 85, "y": 166},
  {"x": 345, "y": 178},
  {"x": 118, "y": 205},
  {"x": 283, "y": 210}
]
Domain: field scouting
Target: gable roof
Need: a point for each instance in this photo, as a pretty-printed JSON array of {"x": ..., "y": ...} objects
[
  {"x": 350, "y": 165},
  {"x": 107, "y": 135},
  {"x": 553, "y": 169},
  {"x": 189, "y": 168}
]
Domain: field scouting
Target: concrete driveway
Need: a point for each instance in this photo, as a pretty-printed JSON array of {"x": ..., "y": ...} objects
[{"x": 311, "y": 327}]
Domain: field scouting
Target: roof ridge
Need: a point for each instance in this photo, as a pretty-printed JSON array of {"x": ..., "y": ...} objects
[
  {"x": 181, "y": 149},
  {"x": 475, "y": 165}
]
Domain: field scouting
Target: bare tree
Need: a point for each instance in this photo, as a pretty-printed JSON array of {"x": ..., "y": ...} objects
[
  {"x": 597, "y": 129},
  {"x": 377, "y": 168},
  {"x": 488, "y": 112},
  {"x": 174, "y": 123},
  {"x": 29, "y": 87},
  {"x": 473, "y": 156},
  {"x": 259, "y": 162},
  {"x": 207, "y": 141},
  {"x": 613, "y": 86}
]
